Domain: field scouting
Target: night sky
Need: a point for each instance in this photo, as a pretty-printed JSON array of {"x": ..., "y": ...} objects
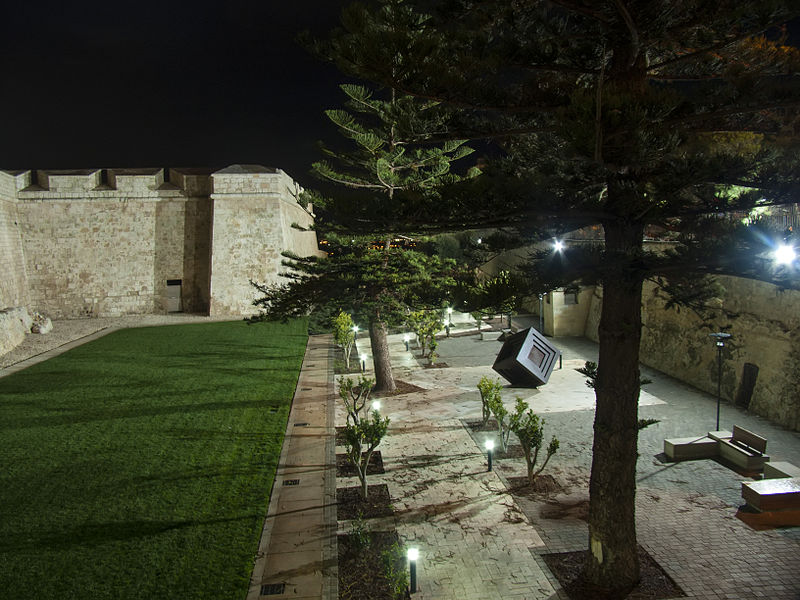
[
  {"x": 177, "y": 83},
  {"x": 139, "y": 84}
]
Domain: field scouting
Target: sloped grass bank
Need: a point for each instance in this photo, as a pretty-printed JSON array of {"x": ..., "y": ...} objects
[{"x": 140, "y": 465}]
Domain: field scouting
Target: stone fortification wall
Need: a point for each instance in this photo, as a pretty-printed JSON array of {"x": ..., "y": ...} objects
[
  {"x": 105, "y": 243},
  {"x": 254, "y": 211},
  {"x": 13, "y": 281},
  {"x": 765, "y": 333}
]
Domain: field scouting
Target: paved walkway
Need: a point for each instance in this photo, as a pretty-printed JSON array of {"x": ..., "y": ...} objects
[
  {"x": 478, "y": 542},
  {"x": 297, "y": 553}
]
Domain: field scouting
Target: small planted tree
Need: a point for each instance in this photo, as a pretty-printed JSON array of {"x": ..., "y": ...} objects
[
  {"x": 343, "y": 334},
  {"x": 489, "y": 390},
  {"x": 354, "y": 395},
  {"x": 500, "y": 414},
  {"x": 529, "y": 428},
  {"x": 361, "y": 440}
]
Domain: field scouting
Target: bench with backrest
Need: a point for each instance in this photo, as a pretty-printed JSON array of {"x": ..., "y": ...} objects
[{"x": 743, "y": 448}]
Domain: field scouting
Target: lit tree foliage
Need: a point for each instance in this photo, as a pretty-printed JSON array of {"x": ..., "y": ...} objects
[{"x": 635, "y": 115}]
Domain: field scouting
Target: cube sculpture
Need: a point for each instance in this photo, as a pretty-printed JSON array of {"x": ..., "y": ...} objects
[{"x": 526, "y": 359}]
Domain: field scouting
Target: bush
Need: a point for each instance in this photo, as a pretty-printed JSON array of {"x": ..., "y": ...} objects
[
  {"x": 529, "y": 428},
  {"x": 489, "y": 389}
]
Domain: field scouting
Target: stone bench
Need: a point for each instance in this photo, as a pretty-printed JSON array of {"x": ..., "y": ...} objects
[
  {"x": 690, "y": 448},
  {"x": 772, "y": 494},
  {"x": 742, "y": 448},
  {"x": 776, "y": 470}
]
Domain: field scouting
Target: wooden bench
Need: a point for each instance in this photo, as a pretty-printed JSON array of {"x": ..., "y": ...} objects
[
  {"x": 772, "y": 494},
  {"x": 743, "y": 448},
  {"x": 776, "y": 470}
]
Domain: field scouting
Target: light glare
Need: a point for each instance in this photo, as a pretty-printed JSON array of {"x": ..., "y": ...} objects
[
  {"x": 784, "y": 254},
  {"x": 489, "y": 444},
  {"x": 558, "y": 245},
  {"x": 413, "y": 553}
]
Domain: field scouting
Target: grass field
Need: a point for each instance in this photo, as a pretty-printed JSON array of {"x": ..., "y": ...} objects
[{"x": 140, "y": 465}]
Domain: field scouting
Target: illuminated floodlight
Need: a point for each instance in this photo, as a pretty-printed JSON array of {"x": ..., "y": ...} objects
[
  {"x": 558, "y": 245},
  {"x": 784, "y": 254}
]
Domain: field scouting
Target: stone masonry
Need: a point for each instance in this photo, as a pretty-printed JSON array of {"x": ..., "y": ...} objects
[{"x": 112, "y": 242}]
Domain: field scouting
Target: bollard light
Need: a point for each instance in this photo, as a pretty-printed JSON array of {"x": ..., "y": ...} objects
[
  {"x": 489, "y": 444},
  {"x": 376, "y": 405},
  {"x": 363, "y": 363},
  {"x": 413, "y": 555},
  {"x": 406, "y": 340}
]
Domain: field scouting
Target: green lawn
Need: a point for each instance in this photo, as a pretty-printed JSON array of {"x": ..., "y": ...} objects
[{"x": 140, "y": 465}]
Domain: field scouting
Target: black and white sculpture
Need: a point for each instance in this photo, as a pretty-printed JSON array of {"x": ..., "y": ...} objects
[{"x": 526, "y": 359}]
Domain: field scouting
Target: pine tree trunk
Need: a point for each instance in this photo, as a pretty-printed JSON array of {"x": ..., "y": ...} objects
[
  {"x": 384, "y": 380},
  {"x": 613, "y": 563}
]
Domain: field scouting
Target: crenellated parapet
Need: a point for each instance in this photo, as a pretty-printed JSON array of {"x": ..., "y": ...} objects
[{"x": 112, "y": 241}]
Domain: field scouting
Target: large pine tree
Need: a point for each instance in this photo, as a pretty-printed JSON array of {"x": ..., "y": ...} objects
[
  {"x": 630, "y": 114},
  {"x": 371, "y": 275}
]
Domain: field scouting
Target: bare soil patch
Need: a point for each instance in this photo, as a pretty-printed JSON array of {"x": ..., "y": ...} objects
[
  {"x": 350, "y": 504},
  {"x": 403, "y": 387},
  {"x": 655, "y": 584},
  {"x": 543, "y": 485},
  {"x": 345, "y": 468},
  {"x": 363, "y": 569}
]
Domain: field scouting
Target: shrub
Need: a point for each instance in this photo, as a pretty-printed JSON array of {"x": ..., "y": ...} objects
[
  {"x": 489, "y": 389},
  {"x": 529, "y": 428}
]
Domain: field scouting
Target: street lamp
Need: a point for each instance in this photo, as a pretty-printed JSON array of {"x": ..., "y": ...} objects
[
  {"x": 489, "y": 445},
  {"x": 720, "y": 338},
  {"x": 413, "y": 555}
]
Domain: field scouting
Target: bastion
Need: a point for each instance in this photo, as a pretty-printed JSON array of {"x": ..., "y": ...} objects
[{"x": 112, "y": 242}]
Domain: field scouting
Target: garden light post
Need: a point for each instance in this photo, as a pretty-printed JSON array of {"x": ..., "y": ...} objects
[
  {"x": 355, "y": 337},
  {"x": 541, "y": 313},
  {"x": 405, "y": 341},
  {"x": 363, "y": 363},
  {"x": 376, "y": 405},
  {"x": 720, "y": 338},
  {"x": 449, "y": 320},
  {"x": 489, "y": 444},
  {"x": 413, "y": 555}
]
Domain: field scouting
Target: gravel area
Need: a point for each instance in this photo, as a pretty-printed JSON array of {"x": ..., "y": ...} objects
[{"x": 68, "y": 330}]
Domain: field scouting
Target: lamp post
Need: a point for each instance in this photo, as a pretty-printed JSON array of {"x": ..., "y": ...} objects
[
  {"x": 720, "y": 338},
  {"x": 355, "y": 337},
  {"x": 376, "y": 405},
  {"x": 405, "y": 341},
  {"x": 413, "y": 555},
  {"x": 489, "y": 445},
  {"x": 449, "y": 320},
  {"x": 541, "y": 313},
  {"x": 363, "y": 363}
]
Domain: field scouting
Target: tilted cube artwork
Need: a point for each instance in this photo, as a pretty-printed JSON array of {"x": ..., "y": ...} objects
[{"x": 526, "y": 359}]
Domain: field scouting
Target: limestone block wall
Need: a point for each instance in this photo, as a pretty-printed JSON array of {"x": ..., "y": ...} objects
[
  {"x": 106, "y": 244},
  {"x": 254, "y": 209},
  {"x": 13, "y": 281},
  {"x": 766, "y": 333}
]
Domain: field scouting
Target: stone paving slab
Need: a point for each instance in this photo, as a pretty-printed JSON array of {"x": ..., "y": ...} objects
[{"x": 298, "y": 540}]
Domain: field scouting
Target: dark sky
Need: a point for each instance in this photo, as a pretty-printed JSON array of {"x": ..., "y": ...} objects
[
  {"x": 123, "y": 83},
  {"x": 139, "y": 83}
]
